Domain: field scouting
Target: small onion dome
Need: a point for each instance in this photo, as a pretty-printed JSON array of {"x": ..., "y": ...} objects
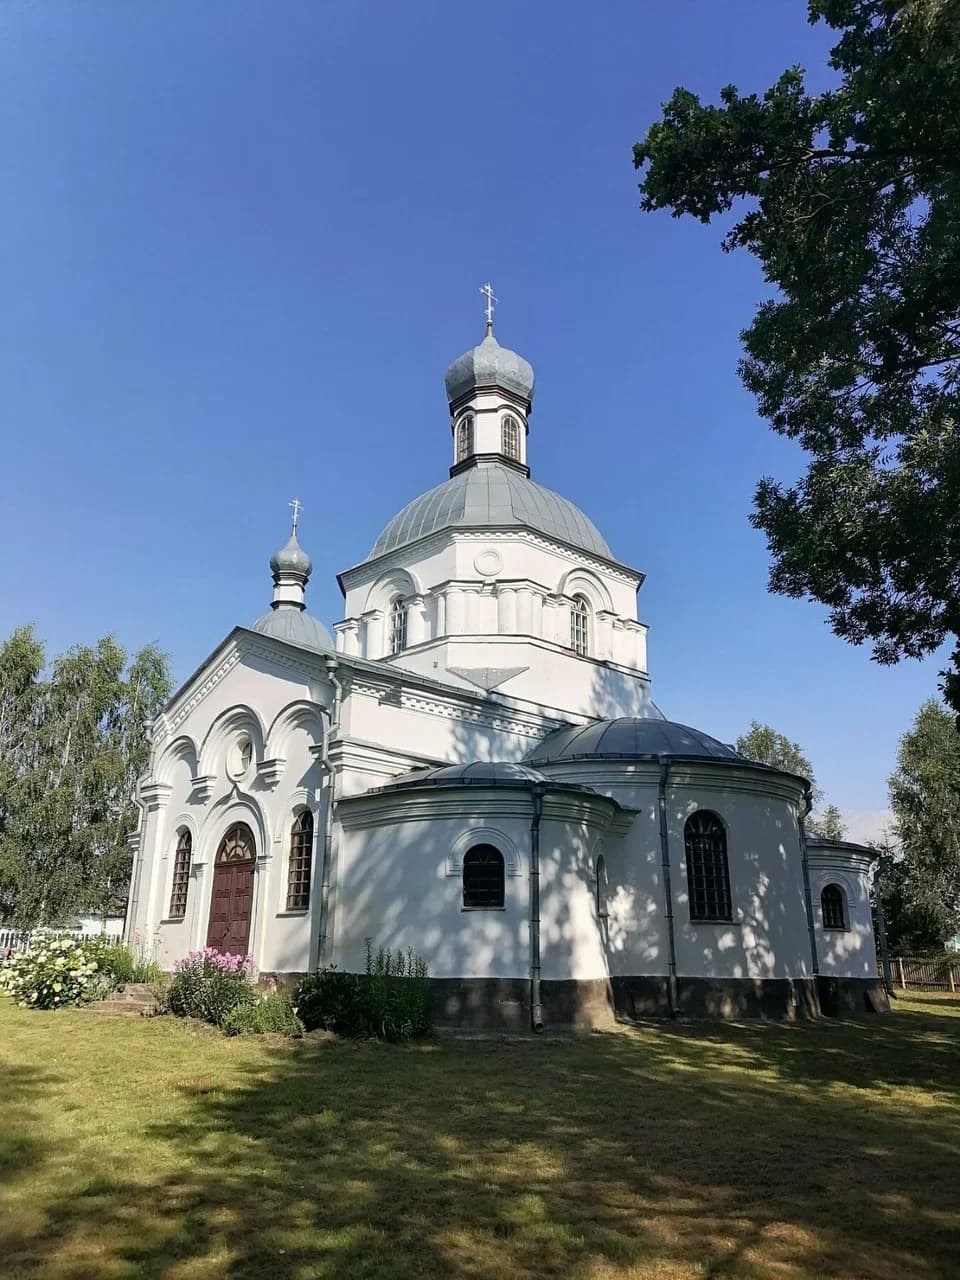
[
  {"x": 489, "y": 365},
  {"x": 632, "y": 738},
  {"x": 291, "y": 559}
]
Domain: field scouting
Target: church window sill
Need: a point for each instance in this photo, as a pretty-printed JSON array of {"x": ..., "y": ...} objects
[
  {"x": 293, "y": 911},
  {"x": 469, "y": 910},
  {"x": 173, "y": 919}
]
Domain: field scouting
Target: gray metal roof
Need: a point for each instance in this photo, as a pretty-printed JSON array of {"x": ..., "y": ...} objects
[
  {"x": 291, "y": 557},
  {"x": 629, "y": 738},
  {"x": 489, "y": 365},
  {"x": 296, "y": 626},
  {"x": 477, "y": 773},
  {"x": 492, "y": 495}
]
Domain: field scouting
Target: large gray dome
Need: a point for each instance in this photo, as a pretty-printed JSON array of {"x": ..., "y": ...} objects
[
  {"x": 296, "y": 626},
  {"x": 489, "y": 365},
  {"x": 631, "y": 738},
  {"x": 495, "y": 496}
]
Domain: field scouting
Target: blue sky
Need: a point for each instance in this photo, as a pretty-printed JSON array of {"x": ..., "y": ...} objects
[{"x": 240, "y": 242}]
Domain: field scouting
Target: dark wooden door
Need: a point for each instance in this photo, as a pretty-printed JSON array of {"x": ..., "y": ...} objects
[{"x": 231, "y": 903}]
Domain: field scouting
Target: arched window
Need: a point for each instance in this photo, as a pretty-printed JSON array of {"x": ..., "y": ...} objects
[
  {"x": 181, "y": 876},
  {"x": 398, "y": 626},
  {"x": 602, "y": 887},
  {"x": 237, "y": 845},
  {"x": 483, "y": 877},
  {"x": 465, "y": 437},
  {"x": 510, "y": 437},
  {"x": 580, "y": 626},
  {"x": 708, "y": 878},
  {"x": 301, "y": 857},
  {"x": 833, "y": 905}
]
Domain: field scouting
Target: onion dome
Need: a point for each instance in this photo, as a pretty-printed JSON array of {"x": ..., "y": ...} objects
[
  {"x": 489, "y": 365},
  {"x": 292, "y": 559}
]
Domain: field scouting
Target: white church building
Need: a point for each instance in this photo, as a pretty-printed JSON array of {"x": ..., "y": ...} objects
[{"x": 472, "y": 766}]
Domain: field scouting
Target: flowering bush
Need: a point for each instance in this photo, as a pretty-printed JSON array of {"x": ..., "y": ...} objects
[
  {"x": 54, "y": 972},
  {"x": 207, "y": 984}
]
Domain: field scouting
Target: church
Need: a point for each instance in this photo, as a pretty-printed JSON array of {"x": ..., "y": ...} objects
[{"x": 472, "y": 766}]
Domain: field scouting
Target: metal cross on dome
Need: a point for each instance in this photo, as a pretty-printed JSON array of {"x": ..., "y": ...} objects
[
  {"x": 487, "y": 291},
  {"x": 297, "y": 506}
]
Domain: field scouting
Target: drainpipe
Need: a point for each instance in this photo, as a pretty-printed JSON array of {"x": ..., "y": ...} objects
[
  {"x": 536, "y": 1008},
  {"x": 667, "y": 890},
  {"x": 807, "y": 894},
  {"x": 332, "y": 727},
  {"x": 136, "y": 871}
]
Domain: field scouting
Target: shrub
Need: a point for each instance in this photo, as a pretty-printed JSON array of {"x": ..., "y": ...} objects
[
  {"x": 390, "y": 1000},
  {"x": 208, "y": 985},
  {"x": 122, "y": 963},
  {"x": 270, "y": 1014},
  {"x": 54, "y": 972}
]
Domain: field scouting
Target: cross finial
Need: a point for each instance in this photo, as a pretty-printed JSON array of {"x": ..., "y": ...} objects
[
  {"x": 297, "y": 506},
  {"x": 487, "y": 291}
]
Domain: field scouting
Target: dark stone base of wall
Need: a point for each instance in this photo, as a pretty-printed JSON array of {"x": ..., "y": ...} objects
[
  {"x": 503, "y": 1004},
  {"x": 841, "y": 997}
]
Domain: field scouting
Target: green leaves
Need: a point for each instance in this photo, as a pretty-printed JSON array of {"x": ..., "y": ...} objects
[
  {"x": 72, "y": 747},
  {"x": 850, "y": 201}
]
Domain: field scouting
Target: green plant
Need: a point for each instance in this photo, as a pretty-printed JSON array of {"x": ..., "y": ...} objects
[
  {"x": 54, "y": 972},
  {"x": 271, "y": 1014},
  {"x": 209, "y": 985},
  {"x": 389, "y": 1001}
]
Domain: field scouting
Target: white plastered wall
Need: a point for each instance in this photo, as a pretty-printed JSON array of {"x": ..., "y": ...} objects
[{"x": 850, "y": 952}]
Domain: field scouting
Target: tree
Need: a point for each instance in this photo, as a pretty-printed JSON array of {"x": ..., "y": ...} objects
[
  {"x": 21, "y": 661},
  {"x": 923, "y": 883},
  {"x": 829, "y": 825},
  {"x": 764, "y": 745},
  {"x": 853, "y": 212},
  {"x": 69, "y": 798}
]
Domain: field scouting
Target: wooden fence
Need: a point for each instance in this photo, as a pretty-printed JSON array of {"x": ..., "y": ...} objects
[
  {"x": 939, "y": 972},
  {"x": 20, "y": 939}
]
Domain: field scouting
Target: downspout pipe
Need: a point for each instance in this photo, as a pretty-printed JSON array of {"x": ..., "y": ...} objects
[
  {"x": 807, "y": 893},
  {"x": 331, "y": 730},
  {"x": 672, "y": 993},
  {"x": 536, "y": 1005}
]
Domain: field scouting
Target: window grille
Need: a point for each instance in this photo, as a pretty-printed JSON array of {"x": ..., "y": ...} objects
[
  {"x": 833, "y": 907},
  {"x": 465, "y": 437},
  {"x": 580, "y": 626},
  {"x": 483, "y": 874},
  {"x": 301, "y": 857},
  {"x": 708, "y": 876},
  {"x": 510, "y": 433},
  {"x": 237, "y": 845},
  {"x": 398, "y": 626},
  {"x": 181, "y": 876}
]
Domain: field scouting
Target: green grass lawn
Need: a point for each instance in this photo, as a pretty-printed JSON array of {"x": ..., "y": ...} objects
[{"x": 155, "y": 1148}]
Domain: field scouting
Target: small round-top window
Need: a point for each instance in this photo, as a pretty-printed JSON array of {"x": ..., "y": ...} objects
[{"x": 240, "y": 758}]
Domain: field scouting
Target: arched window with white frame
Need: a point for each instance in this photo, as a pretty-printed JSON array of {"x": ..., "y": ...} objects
[
  {"x": 301, "y": 860},
  {"x": 465, "y": 437},
  {"x": 580, "y": 626},
  {"x": 708, "y": 874},
  {"x": 833, "y": 907},
  {"x": 181, "y": 875},
  {"x": 398, "y": 625},
  {"x": 510, "y": 437}
]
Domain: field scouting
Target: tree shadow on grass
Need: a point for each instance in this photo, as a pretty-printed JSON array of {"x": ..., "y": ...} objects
[{"x": 669, "y": 1152}]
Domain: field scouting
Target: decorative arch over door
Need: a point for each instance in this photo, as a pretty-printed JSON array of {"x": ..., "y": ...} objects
[{"x": 231, "y": 903}]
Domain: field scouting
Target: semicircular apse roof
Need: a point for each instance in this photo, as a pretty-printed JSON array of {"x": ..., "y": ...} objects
[
  {"x": 491, "y": 495},
  {"x": 631, "y": 737}
]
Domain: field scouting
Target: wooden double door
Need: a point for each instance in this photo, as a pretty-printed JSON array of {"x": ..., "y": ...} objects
[{"x": 231, "y": 904}]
